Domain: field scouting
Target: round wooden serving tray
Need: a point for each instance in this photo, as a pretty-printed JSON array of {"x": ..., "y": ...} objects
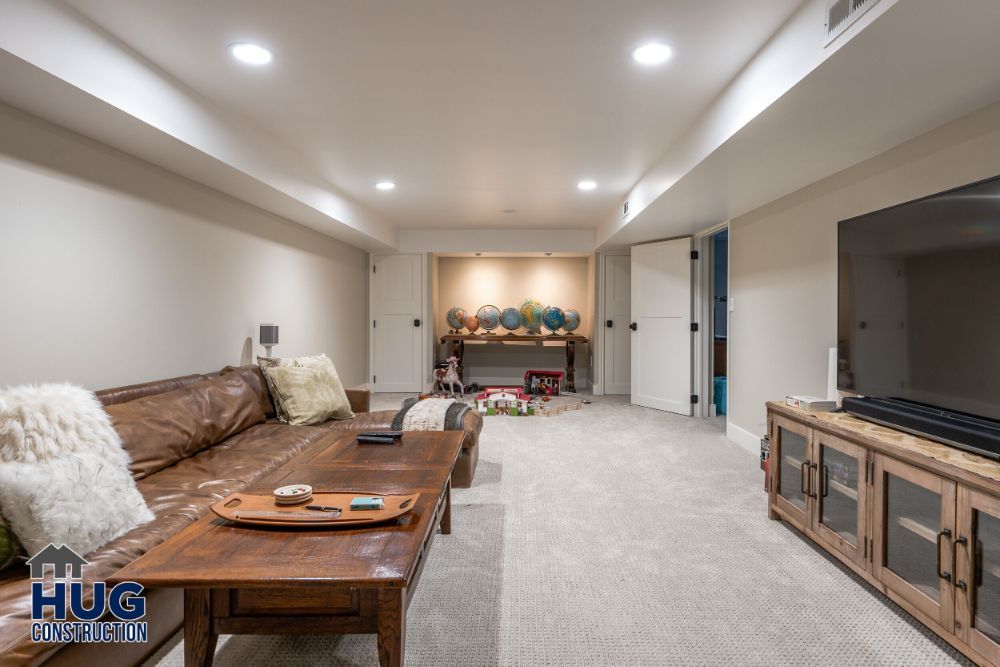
[{"x": 261, "y": 510}]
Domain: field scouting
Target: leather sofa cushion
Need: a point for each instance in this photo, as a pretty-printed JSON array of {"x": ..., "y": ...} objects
[
  {"x": 158, "y": 431},
  {"x": 255, "y": 379},
  {"x": 134, "y": 391},
  {"x": 178, "y": 496}
]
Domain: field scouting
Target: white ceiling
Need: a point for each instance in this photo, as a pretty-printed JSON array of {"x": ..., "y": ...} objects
[{"x": 470, "y": 106}]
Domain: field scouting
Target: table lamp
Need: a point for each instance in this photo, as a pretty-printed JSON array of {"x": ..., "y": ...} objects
[{"x": 268, "y": 336}]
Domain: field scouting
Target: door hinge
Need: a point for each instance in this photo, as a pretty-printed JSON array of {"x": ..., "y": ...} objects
[
  {"x": 374, "y": 268},
  {"x": 694, "y": 326},
  {"x": 374, "y": 379},
  {"x": 694, "y": 254},
  {"x": 694, "y": 398},
  {"x": 866, "y": 548},
  {"x": 374, "y": 324}
]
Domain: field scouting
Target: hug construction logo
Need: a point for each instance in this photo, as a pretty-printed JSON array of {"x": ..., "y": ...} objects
[{"x": 68, "y": 598}]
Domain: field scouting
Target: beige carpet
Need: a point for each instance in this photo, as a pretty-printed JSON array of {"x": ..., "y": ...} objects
[{"x": 616, "y": 535}]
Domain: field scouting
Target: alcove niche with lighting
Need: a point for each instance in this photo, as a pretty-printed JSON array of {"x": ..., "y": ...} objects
[{"x": 471, "y": 281}]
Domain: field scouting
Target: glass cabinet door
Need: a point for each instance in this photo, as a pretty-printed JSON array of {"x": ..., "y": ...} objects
[
  {"x": 842, "y": 499},
  {"x": 790, "y": 470},
  {"x": 914, "y": 537},
  {"x": 977, "y": 576}
]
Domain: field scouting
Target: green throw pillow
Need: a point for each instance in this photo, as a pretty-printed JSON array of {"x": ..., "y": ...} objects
[{"x": 11, "y": 551}]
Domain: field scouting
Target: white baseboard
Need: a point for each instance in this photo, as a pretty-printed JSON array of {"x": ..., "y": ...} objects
[{"x": 744, "y": 438}]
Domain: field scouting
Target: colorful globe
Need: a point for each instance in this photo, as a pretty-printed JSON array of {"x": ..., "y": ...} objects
[
  {"x": 553, "y": 318},
  {"x": 472, "y": 323},
  {"x": 510, "y": 319},
  {"x": 531, "y": 315},
  {"x": 489, "y": 317},
  {"x": 456, "y": 317},
  {"x": 572, "y": 320}
]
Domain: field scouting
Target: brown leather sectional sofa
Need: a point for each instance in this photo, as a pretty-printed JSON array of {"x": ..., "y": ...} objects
[{"x": 193, "y": 440}]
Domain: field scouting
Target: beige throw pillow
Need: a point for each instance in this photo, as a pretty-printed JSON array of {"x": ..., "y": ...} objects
[{"x": 307, "y": 389}]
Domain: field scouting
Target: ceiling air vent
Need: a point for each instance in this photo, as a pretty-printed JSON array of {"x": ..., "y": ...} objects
[{"x": 840, "y": 14}]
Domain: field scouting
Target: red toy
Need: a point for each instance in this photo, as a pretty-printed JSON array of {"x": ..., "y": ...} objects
[{"x": 545, "y": 383}]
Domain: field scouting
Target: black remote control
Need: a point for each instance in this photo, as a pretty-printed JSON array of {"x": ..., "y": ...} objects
[
  {"x": 383, "y": 434},
  {"x": 375, "y": 439}
]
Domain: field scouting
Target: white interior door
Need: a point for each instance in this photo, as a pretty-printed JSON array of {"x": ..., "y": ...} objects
[
  {"x": 617, "y": 312},
  {"x": 397, "y": 312},
  {"x": 661, "y": 315}
]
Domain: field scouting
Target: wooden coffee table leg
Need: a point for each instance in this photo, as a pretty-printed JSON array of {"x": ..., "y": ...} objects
[
  {"x": 446, "y": 515},
  {"x": 570, "y": 366},
  {"x": 391, "y": 626},
  {"x": 199, "y": 639}
]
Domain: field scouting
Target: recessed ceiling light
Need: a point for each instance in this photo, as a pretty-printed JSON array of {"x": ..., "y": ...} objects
[
  {"x": 385, "y": 185},
  {"x": 479, "y": 254},
  {"x": 251, "y": 54},
  {"x": 510, "y": 210},
  {"x": 653, "y": 53},
  {"x": 586, "y": 185},
  {"x": 548, "y": 254}
]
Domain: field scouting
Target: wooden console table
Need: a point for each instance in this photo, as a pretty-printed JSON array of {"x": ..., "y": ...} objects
[
  {"x": 915, "y": 519},
  {"x": 458, "y": 347}
]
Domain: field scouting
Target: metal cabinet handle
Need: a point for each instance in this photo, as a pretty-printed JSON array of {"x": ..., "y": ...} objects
[
  {"x": 633, "y": 326},
  {"x": 815, "y": 468},
  {"x": 802, "y": 477},
  {"x": 826, "y": 481},
  {"x": 954, "y": 561},
  {"x": 943, "y": 575}
]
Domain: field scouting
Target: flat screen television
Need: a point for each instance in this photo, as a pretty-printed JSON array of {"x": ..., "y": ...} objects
[{"x": 919, "y": 306}]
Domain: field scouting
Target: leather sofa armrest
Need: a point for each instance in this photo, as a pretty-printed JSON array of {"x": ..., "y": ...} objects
[{"x": 360, "y": 398}]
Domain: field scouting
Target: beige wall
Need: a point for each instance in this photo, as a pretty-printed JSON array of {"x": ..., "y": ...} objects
[
  {"x": 783, "y": 259},
  {"x": 115, "y": 271},
  {"x": 472, "y": 282}
]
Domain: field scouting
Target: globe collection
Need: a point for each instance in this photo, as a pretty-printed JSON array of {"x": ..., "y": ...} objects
[{"x": 531, "y": 315}]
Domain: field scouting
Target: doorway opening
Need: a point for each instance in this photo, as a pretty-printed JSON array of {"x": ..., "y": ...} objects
[
  {"x": 719, "y": 321},
  {"x": 713, "y": 309}
]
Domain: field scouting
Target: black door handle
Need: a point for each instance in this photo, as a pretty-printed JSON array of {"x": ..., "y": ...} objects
[
  {"x": 954, "y": 561},
  {"x": 416, "y": 323},
  {"x": 633, "y": 326},
  {"x": 609, "y": 324},
  {"x": 944, "y": 575}
]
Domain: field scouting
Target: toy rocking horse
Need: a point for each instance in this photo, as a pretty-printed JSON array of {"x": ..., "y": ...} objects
[{"x": 450, "y": 377}]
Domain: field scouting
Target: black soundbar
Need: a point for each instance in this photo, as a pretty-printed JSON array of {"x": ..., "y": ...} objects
[{"x": 973, "y": 434}]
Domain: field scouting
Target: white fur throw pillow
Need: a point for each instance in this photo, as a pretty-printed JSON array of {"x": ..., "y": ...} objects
[{"x": 64, "y": 475}]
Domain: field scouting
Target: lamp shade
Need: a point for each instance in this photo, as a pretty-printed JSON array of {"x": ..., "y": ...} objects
[{"x": 269, "y": 334}]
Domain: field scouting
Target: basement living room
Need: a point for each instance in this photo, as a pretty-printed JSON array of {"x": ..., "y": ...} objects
[{"x": 566, "y": 332}]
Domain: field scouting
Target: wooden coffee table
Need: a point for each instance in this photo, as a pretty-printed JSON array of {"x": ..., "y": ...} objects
[{"x": 247, "y": 580}]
